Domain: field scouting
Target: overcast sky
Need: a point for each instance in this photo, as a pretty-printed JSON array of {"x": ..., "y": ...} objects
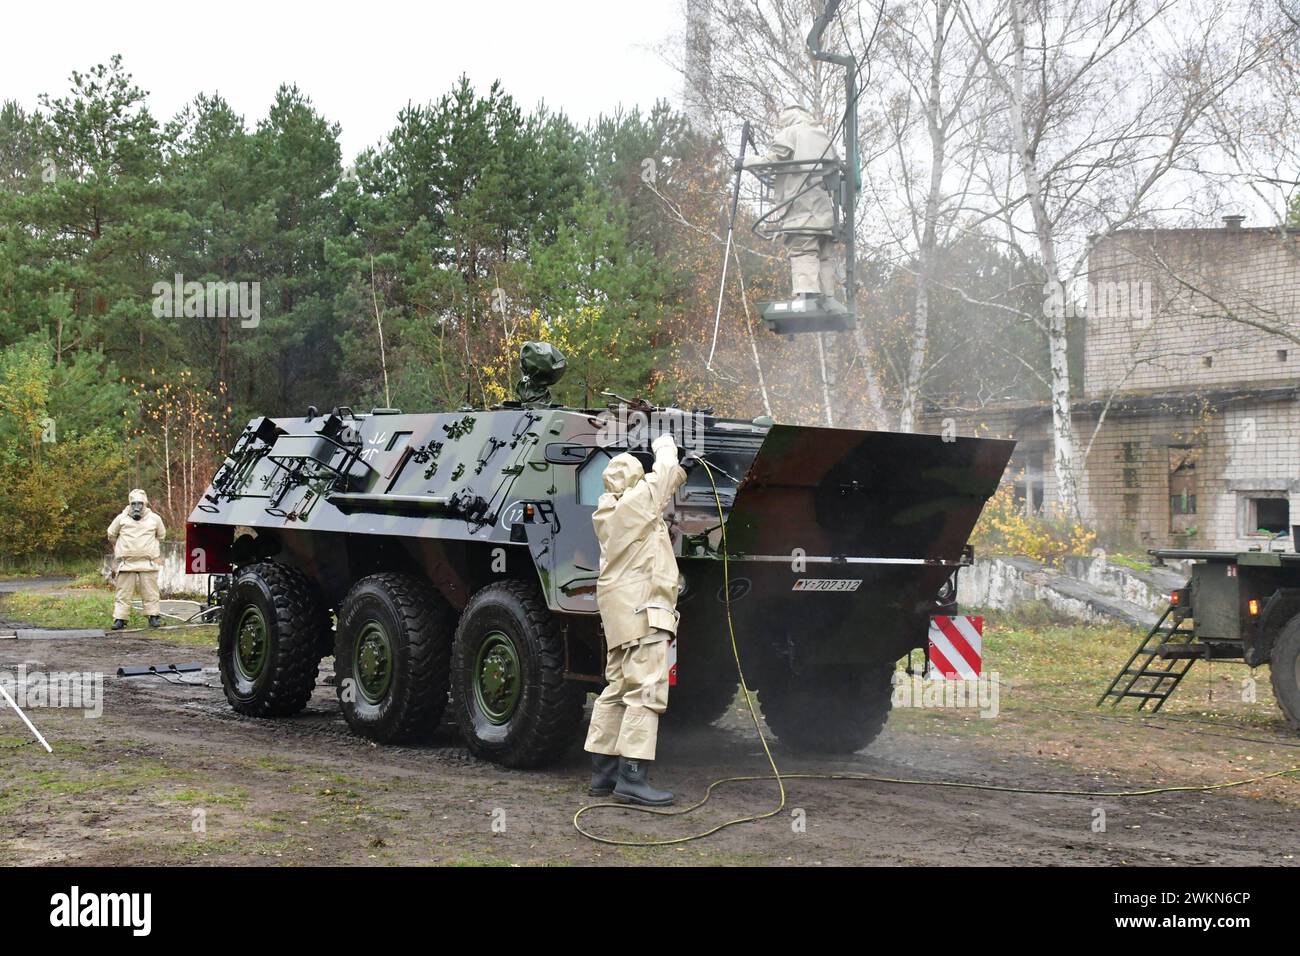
[{"x": 360, "y": 62}]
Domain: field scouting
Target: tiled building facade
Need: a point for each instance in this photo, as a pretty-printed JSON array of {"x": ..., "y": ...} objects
[{"x": 1199, "y": 446}]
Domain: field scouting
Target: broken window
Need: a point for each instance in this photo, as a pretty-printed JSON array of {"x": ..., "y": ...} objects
[
  {"x": 1183, "y": 460},
  {"x": 1268, "y": 516}
]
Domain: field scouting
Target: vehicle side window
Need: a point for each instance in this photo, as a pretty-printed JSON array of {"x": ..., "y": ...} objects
[{"x": 590, "y": 479}]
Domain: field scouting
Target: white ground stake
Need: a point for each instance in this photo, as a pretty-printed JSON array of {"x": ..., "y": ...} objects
[{"x": 30, "y": 725}]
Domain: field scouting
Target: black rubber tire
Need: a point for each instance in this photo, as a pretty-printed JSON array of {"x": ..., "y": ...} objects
[
  {"x": 699, "y": 703},
  {"x": 837, "y": 712},
  {"x": 294, "y": 613},
  {"x": 548, "y": 714},
  {"x": 420, "y": 624},
  {"x": 1284, "y": 671}
]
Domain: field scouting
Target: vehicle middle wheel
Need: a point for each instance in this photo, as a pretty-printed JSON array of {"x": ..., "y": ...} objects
[{"x": 391, "y": 653}]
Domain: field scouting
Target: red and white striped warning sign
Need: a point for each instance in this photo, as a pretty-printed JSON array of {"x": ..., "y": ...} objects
[{"x": 956, "y": 645}]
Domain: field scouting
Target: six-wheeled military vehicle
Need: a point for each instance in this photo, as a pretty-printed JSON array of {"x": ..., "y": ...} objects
[{"x": 449, "y": 559}]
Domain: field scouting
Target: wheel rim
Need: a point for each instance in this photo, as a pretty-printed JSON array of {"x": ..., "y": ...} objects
[
  {"x": 497, "y": 676},
  {"x": 372, "y": 655},
  {"x": 252, "y": 644}
]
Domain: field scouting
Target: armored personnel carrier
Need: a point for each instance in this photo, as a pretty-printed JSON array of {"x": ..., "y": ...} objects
[{"x": 449, "y": 560}]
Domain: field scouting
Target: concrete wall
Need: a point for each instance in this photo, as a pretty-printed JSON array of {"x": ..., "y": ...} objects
[
  {"x": 1090, "y": 590},
  {"x": 172, "y": 579}
]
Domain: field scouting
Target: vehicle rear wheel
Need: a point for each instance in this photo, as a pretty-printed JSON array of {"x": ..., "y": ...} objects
[
  {"x": 391, "y": 653},
  {"x": 268, "y": 647},
  {"x": 1284, "y": 671},
  {"x": 509, "y": 695},
  {"x": 838, "y": 711},
  {"x": 699, "y": 703}
]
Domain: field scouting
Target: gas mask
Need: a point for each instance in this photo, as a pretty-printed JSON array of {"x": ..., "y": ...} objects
[{"x": 136, "y": 510}]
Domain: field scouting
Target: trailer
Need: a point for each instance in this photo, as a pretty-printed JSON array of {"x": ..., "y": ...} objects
[{"x": 1237, "y": 606}]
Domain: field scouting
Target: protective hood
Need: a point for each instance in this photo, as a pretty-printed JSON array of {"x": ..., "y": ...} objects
[
  {"x": 794, "y": 116},
  {"x": 622, "y": 472},
  {"x": 138, "y": 495}
]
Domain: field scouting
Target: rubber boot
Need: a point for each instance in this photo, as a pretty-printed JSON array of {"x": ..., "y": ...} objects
[
  {"x": 604, "y": 775},
  {"x": 155, "y": 621},
  {"x": 634, "y": 784},
  {"x": 118, "y": 624}
]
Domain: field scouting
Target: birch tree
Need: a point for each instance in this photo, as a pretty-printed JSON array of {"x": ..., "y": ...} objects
[
  {"x": 934, "y": 74},
  {"x": 1103, "y": 103}
]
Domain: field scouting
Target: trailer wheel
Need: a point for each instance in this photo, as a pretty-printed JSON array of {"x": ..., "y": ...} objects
[
  {"x": 391, "y": 651},
  {"x": 839, "y": 711},
  {"x": 268, "y": 646},
  {"x": 509, "y": 694},
  {"x": 1284, "y": 671}
]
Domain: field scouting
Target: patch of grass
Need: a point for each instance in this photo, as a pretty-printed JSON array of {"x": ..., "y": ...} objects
[
  {"x": 93, "y": 609},
  {"x": 73, "y": 782},
  {"x": 1069, "y": 665},
  {"x": 1028, "y": 616},
  {"x": 1133, "y": 564},
  {"x": 39, "y": 566},
  {"x": 204, "y": 635},
  {"x": 209, "y": 798},
  {"x": 92, "y": 580}
]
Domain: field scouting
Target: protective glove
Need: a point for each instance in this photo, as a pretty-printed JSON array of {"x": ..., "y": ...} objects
[{"x": 665, "y": 440}]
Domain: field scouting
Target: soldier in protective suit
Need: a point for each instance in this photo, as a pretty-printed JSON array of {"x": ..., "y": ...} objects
[
  {"x": 136, "y": 534},
  {"x": 636, "y": 593},
  {"x": 807, "y": 214}
]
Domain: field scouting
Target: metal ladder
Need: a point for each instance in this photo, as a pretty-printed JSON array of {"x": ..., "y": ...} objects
[{"x": 1143, "y": 677}]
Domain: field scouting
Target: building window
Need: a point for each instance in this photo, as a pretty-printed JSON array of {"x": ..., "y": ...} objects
[
  {"x": 1281, "y": 355},
  {"x": 1027, "y": 477},
  {"x": 1267, "y": 516},
  {"x": 1183, "y": 460}
]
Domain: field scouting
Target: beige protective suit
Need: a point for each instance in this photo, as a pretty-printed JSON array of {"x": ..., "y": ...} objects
[
  {"x": 806, "y": 213},
  {"x": 636, "y": 593},
  {"x": 137, "y": 556}
]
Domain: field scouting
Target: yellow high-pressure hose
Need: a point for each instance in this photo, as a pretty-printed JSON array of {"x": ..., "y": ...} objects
[{"x": 780, "y": 777}]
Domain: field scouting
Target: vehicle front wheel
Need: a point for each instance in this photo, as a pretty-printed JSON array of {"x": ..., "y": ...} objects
[
  {"x": 268, "y": 648},
  {"x": 509, "y": 695}
]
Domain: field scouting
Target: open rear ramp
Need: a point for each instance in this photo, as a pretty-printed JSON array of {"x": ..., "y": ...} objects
[{"x": 836, "y": 492}]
